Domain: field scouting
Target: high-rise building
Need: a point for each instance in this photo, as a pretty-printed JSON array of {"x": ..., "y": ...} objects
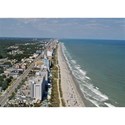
[
  {"x": 37, "y": 86},
  {"x": 46, "y": 63},
  {"x": 32, "y": 88},
  {"x": 38, "y": 90}
]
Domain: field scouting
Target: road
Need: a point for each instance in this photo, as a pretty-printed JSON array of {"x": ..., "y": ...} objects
[
  {"x": 11, "y": 89},
  {"x": 14, "y": 85}
]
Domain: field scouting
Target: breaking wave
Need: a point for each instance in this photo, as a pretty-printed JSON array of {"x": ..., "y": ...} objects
[{"x": 90, "y": 92}]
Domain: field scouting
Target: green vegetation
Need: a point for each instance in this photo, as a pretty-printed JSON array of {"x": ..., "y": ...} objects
[
  {"x": 21, "y": 43},
  {"x": 5, "y": 82},
  {"x": 1, "y": 56},
  {"x": 60, "y": 89},
  {"x": 37, "y": 104},
  {"x": 55, "y": 72},
  {"x": 61, "y": 95},
  {"x": 54, "y": 94},
  {"x": 22, "y": 83},
  {"x": 12, "y": 96},
  {"x": 18, "y": 57},
  {"x": 16, "y": 90},
  {"x": 4, "y": 44},
  {"x": 1, "y": 70},
  {"x": 27, "y": 49},
  {"x": 63, "y": 102}
]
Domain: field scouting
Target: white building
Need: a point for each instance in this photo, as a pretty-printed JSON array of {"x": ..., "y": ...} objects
[
  {"x": 38, "y": 93},
  {"x": 49, "y": 53},
  {"x": 46, "y": 63},
  {"x": 32, "y": 88},
  {"x": 37, "y": 85}
]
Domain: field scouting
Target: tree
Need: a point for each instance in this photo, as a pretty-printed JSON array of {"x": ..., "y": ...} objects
[
  {"x": 1, "y": 83},
  {"x": 4, "y": 85},
  {"x": 4, "y": 76},
  {"x": 1, "y": 70},
  {"x": 1, "y": 56},
  {"x": 8, "y": 80},
  {"x": 12, "y": 96}
]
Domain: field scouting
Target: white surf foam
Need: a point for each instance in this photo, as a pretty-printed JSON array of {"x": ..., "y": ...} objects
[
  {"x": 86, "y": 86},
  {"x": 94, "y": 102},
  {"x": 88, "y": 78},
  {"x": 109, "y": 105},
  {"x": 73, "y": 61},
  {"x": 97, "y": 88},
  {"x": 90, "y": 93}
]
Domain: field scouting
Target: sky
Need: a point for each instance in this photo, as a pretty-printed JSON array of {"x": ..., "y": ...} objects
[{"x": 86, "y": 28}]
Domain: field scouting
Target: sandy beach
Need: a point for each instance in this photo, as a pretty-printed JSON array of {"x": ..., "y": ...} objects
[{"x": 71, "y": 95}]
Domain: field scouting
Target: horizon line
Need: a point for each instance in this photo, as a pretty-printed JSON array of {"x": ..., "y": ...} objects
[{"x": 59, "y": 38}]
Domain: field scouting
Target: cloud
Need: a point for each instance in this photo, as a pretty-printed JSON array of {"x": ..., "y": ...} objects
[{"x": 63, "y": 27}]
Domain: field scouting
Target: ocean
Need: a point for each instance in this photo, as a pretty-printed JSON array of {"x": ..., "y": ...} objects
[{"x": 99, "y": 69}]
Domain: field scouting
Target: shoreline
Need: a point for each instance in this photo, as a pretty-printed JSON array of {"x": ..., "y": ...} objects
[{"x": 70, "y": 89}]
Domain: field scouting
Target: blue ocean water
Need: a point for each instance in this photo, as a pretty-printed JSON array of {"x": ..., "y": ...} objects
[{"x": 99, "y": 68}]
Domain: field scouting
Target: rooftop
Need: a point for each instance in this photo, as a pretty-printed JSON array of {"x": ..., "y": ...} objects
[{"x": 38, "y": 77}]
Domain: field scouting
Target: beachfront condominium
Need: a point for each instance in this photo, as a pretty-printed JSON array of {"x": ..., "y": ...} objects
[
  {"x": 37, "y": 85},
  {"x": 39, "y": 89},
  {"x": 46, "y": 63}
]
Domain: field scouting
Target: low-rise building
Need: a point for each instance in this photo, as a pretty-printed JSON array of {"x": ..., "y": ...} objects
[
  {"x": 49, "y": 53},
  {"x": 14, "y": 73},
  {"x": 20, "y": 66},
  {"x": 38, "y": 51},
  {"x": 39, "y": 64}
]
